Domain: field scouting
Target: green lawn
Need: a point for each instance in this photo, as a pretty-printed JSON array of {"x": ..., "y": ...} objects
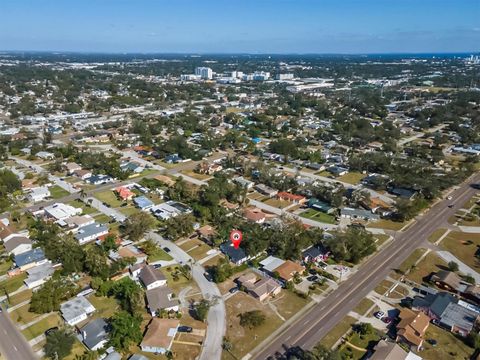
[
  {"x": 429, "y": 264},
  {"x": 5, "y": 266},
  {"x": 363, "y": 306},
  {"x": 105, "y": 306},
  {"x": 108, "y": 197},
  {"x": 351, "y": 178},
  {"x": 12, "y": 284},
  {"x": 380, "y": 238},
  {"x": 464, "y": 246},
  {"x": 22, "y": 315},
  {"x": 387, "y": 225},
  {"x": 81, "y": 205},
  {"x": 129, "y": 210},
  {"x": 20, "y": 297},
  {"x": 313, "y": 214},
  {"x": 158, "y": 255},
  {"x": 40, "y": 327},
  {"x": 102, "y": 218},
  {"x": 56, "y": 192},
  {"x": 407, "y": 264},
  {"x": 437, "y": 234},
  {"x": 338, "y": 331},
  {"x": 448, "y": 346}
]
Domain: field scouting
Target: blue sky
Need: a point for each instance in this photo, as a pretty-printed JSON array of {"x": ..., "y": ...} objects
[{"x": 253, "y": 26}]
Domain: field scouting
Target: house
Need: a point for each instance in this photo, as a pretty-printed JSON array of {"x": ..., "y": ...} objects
[
  {"x": 412, "y": 327},
  {"x": 172, "y": 159},
  {"x": 206, "y": 233},
  {"x": 254, "y": 215},
  {"x": 132, "y": 166},
  {"x": 137, "y": 357},
  {"x": 337, "y": 170},
  {"x": 296, "y": 199},
  {"x": 449, "y": 281},
  {"x": 386, "y": 350},
  {"x": 45, "y": 155},
  {"x": 17, "y": 245},
  {"x": 90, "y": 233},
  {"x": 236, "y": 256},
  {"x": 152, "y": 278},
  {"x": 403, "y": 193},
  {"x": 39, "y": 194},
  {"x": 76, "y": 310},
  {"x": 143, "y": 203},
  {"x": 169, "y": 209},
  {"x": 448, "y": 312},
  {"x": 60, "y": 211},
  {"x": 124, "y": 193},
  {"x": 315, "y": 254},
  {"x": 159, "y": 335},
  {"x": 316, "y": 166},
  {"x": 128, "y": 251},
  {"x": 288, "y": 269},
  {"x": 320, "y": 206},
  {"x": 358, "y": 214},
  {"x": 266, "y": 190},
  {"x": 77, "y": 221},
  {"x": 259, "y": 289},
  {"x": 82, "y": 174},
  {"x": 72, "y": 167},
  {"x": 112, "y": 356},
  {"x": 247, "y": 184},
  {"x": 161, "y": 298},
  {"x": 95, "y": 334},
  {"x": 135, "y": 270},
  {"x": 38, "y": 275},
  {"x": 29, "y": 259},
  {"x": 99, "y": 179},
  {"x": 271, "y": 263}
]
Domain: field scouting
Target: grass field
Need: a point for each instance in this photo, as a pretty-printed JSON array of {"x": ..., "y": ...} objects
[
  {"x": 288, "y": 303},
  {"x": 196, "y": 175},
  {"x": 313, "y": 214},
  {"x": 407, "y": 264},
  {"x": 338, "y": 331},
  {"x": 380, "y": 238},
  {"x": 437, "y": 234},
  {"x": 277, "y": 203},
  {"x": 129, "y": 210},
  {"x": 353, "y": 178},
  {"x": 448, "y": 346},
  {"x": 14, "y": 283},
  {"x": 387, "y": 225},
  {"x": 245, "y": 339},
  {"x": 464, "y": 246},
  {"x": 81, "y": 205},
  {"x": 383, "y": 287},
  {"x": 158, "y": 255},
  {"x": 56, "y": 192},
  {"x": 105, "y": 306},
  {"x": 196, "y": 248},
  {"x": 22, "y": 315},
  {"x": 109, "y": 198},
  {"x": 429, "y": 264},
  {"x": 20, "y": 297},
  {"x": 363, "y": 306},
  {"x": 5, "y": 266},
  {"x": 40, "y": 327}
]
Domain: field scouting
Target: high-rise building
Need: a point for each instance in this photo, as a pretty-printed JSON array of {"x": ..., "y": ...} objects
[{"x": 205, "y": 72}]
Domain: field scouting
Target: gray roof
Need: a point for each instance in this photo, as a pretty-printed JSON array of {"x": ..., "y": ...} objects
[
  {"x": 29, "y": 257},
  {"x": 137, "y": 357},
  {"x": 74, "y": 307},
  {"x": 113, "y": 356},
  {"x": 149, "y": 275},
  {"x": 459, "y": 316},
  {"x": 89, "y": 230},
  {"x": 40, "y": 272},
  {"x": 94, "y": 332},
  {"x": 158, "y": 298},
  {"x": 359, "y": 213},
  {"x": 15, "y": 241}
]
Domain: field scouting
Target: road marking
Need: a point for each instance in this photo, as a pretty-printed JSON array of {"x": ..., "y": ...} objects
[{"x": 15, "y": 348}]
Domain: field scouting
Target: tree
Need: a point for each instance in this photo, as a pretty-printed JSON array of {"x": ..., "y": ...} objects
[
  {"x": 200, "y": 310},
  {"x": 178, "y": 226},
  {"x": 125, "y": 330},
  {"x": 453, "y": 266},
  {"x": 364, "y": 329},
  {"x": 252, "y": 319},
  {"x": 49, "y": 297},
  {"x": 137, "y": 225},
  {"x": 351, "y": 245},
  {"x": 128, "y": 293},
  {"x": 59, "y": 344}
]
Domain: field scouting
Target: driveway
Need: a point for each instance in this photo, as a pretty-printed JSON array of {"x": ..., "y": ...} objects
[{"x": 212, "y": 346}]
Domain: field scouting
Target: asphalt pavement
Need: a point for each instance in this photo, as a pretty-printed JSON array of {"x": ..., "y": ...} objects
[
  {"x": 318, "y": 321},
  {"x": 13, "y": 345}
]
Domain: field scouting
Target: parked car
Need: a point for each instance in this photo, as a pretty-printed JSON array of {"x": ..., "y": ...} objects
[
  {"x": 51, "y": 330},
  {"x": 380, "y": 315},
  {"x": 432, "y": 342},
  {"x": 387, "y": 320},
  {"x": 186, "y": 329},
  {"x": 449, "y": 197},
  {"x": 208, "y": 276},
  {"x": 157, "y": 266},
  {"x": 312, "y": 271},
  {"x": 167, "y": 250},
  {"x": 312, "y": 278},
  {"x": 233, "y": 290}
]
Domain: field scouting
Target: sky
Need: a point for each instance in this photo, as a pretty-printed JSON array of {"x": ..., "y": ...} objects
[{"x": 241, "y": 26}]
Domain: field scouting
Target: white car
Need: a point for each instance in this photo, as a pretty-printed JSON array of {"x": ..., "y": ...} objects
[
  {"x": 449, "y": 197},
  {"x": 379, "y": 315}
]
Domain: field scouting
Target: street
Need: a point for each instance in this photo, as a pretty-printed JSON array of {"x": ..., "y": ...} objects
[
  {"x": 13, "y": 345},
  {"x": 318, "y": 321}
]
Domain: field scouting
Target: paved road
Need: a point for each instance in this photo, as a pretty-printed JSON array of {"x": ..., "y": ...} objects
[
  {"x": 212, "y": 346},
  {"x": 317, "y": 322},
  {"x": 13, "y": 345}
]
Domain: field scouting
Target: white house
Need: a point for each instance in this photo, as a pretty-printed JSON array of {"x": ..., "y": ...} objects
[
  {"x": 38, "y": 275},
  {"x": 90, "y": 233},
  {"x": 76, "y": 310},
  {"x": 152, "y": 278},
  {"x": 17, "y": 245},
  {"x": 61, "y": 211},
  {"x": 38, "y": 194}
]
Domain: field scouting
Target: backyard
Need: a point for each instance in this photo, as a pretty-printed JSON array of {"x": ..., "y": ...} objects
[
  {"x": 313, "y": 214},
  {"x": 465, "y": 246}
]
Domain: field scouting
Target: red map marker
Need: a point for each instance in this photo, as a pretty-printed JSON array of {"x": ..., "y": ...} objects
[{"x": 236, "y": 238}]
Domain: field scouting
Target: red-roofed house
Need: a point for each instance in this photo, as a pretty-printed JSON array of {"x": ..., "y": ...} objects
[{"x": 124, "y": 193}]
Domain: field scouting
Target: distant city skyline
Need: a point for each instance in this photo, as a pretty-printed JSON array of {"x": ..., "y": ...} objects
[{"x": 248, "y": 26}]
